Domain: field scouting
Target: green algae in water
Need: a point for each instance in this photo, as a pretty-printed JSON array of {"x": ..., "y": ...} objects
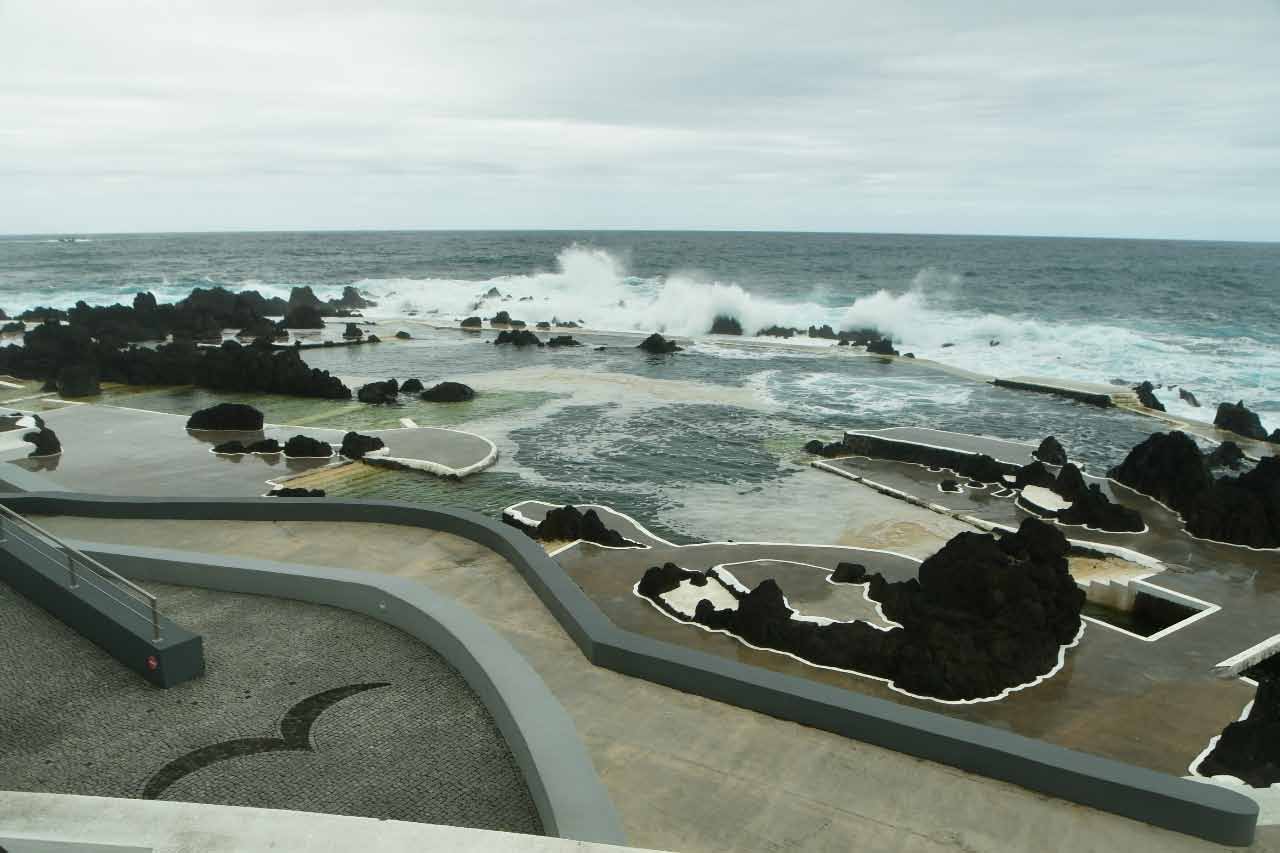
[{"x": 333, "y": 414}]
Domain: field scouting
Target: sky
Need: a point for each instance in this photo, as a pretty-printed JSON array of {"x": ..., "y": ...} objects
[{"x": 1127, "y": 119}]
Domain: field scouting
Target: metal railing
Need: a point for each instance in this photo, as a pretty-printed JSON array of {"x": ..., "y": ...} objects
[{"x": 81, "y": 568}]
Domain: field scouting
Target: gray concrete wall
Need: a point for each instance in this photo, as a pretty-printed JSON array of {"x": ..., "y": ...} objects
[{"x": 1183, "y": 806}]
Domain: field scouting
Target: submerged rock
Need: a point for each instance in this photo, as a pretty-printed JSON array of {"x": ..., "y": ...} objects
[
  {"x": 1147, "y": 396},
  {"x": 378, "y": 393},
  {"x": 1240, "y": 420},
  {"x": 518, "y": 337},
  {"x": 1188, "y": 397},
  {"x": 725, "y": 325},
  {"x": 658, "y": 345},
  {"x": 1051, "y": 452},
  {"x": 305, "y": 447},
  {"x": 227, "y": 416},
  {"x": 817, "y": 448},
  {"x": 355, "y": 445},
  {"x": 449, "y": 392}
]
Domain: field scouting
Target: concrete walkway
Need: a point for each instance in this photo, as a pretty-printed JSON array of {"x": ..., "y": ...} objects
[{"x": 687, "y": 773}]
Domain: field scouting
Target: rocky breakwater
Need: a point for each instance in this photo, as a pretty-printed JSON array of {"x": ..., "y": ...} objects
[
  {"x": 1241, "y": 510},
  {"x": 985, "y": 614},
  {"x": 569, "y": 524}
]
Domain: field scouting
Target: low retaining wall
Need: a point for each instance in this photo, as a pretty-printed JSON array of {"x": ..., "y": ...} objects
[
  {"x": 1102, "y": 400},
  {"x": 1193, "y": 808}
]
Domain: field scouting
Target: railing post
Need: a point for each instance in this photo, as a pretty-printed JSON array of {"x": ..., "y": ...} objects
[{"x": 71, "y": 570}]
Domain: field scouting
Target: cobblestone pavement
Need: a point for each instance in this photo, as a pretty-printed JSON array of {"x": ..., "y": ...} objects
[{"x": 423, "y": 748}]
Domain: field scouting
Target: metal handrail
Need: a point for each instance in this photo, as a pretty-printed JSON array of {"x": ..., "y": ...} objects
[{"x": 74, "y": 556}]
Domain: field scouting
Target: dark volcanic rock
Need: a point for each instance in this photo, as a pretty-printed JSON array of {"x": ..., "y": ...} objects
[
  {"x": 1090, "y": 507},
  {"x": 563, "y": 341},
  {"x": 230, "y": 448},
  {"x": 411, "y": 386},
  {"x": 1034, "y": 474},
  {"x": 379, "y": 393},
  {"x": 303, "y": 297},
  {"x": 518, "y": 337},
  {"x": 949, "y": 486},
  {"x": 1239, "y": 420},
  {"x": 45, "y": 441},
  {"x": 227, "y": 416},
  {"x": 817, "y": 448},
  {"x": 473, "y": 323},
  {"x": 725, "y": 325},
  {"x": 78, "y": 380},
  {"x": 295, "y": 493},
  {"x": 260, "y": 327},
  {"x": 265, "y": 445},
  {"x": 305, "y": 447},
  {"x": 449, "y": 392},
  {"x": 1188, "y": 397},
  {"x": 567, "y": 523},
  {"x": 823, "y": 331},
  {"x": 658, "y": 345},
  {"x": 884, "y": 346},
  {"x": 351, "y": 300},
  {"x": 777, "y": 332},
  {"x": 1147, "y": 396},
  {"x": 1051, "y": 452},
  {"x": 353, "y": 331},
  {"x": 303, "y": 317},
  {"x": 1226, "y": 455},
  {"x": 403, "y": 335},
  {"x": 849, "y": 573},
  {"x": 984, "y": 615},
  {"x": 1168, "y": 467},
  {"x": 502, "y": 318},
  {"x": 1249, "y": 749},
  {"x": 355, "y": 445},
  {"x": 974, "y": 466},
  {"x": 11, "y": 328},
  {"x": 1242, "y": 510},
  {"x": 1274, "y": 438},
  {"x": 373, "y": 339}
]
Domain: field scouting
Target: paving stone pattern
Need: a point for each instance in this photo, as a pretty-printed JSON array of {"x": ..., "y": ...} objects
[{"x": 423, "y": 748}]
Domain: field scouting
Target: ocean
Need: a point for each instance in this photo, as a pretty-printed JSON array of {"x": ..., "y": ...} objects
[{"x": 712, "y": 434}]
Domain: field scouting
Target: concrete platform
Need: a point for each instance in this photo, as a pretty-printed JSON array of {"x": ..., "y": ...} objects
[
  {"x": 687, "y": 773},
  {"x": 52, "y": 823}
]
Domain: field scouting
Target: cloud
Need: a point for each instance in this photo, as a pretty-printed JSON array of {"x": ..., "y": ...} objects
[{"x": 1126, "y": 119}]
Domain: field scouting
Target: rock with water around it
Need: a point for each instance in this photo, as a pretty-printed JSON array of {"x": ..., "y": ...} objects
[
  {"x": 449, "y": 392},
  {"x": 227, "y": 416},
  {"x": 949, "y": 485},
  {"x": 724, "y": 324},
  {"x": 777, "y": 332},
  {"x": 518, "y": 337},
  {"x": 378, "y": 393},
  {"x": 1051, "y": 452},
  {"x": 303, "y": 317},
  {"x": 78, "y": 380},
  {"x": 1226, "y": 455},
  {"x": 1239, "y": 419},
  {"x": 1147, "y": 396},
  {"x": 295, "y": 493},
  {"x": 563, "y": 341},
  {"x": 473, "y": 324},
  {"x": 306, "y": 447},
  {"x": 403, "y": 335},
  {"x": 658, "y": 345},
  {"x": 411, "y": 386},
  {"x": 44, "y": 440},
  {"x": 355, "y": 445},
  {"x": 883, "y": 346},
  {"x": 1188, "y": 397},
  {"x": 353, "y": 332},
  {"x": 502, "y": 318}
]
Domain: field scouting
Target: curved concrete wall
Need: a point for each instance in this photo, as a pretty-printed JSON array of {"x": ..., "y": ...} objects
[{"x": 1206, "y": 811}]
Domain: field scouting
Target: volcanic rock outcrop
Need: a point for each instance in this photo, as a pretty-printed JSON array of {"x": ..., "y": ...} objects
[
  {"x": 518, "y": 337},
  {"x": 227, "y": 416},
  {"x": 355, "y": 445},
  {"x": 1051, "y": 452},
  {"x": 449, "y": 392},
  {"x": 725, "y": 325},
  {"x": 658, "y": 345},
  {"x": 1243, "y": 510},
  {"x": 984, "y": 615},
  {"x": 1147, "y": 396},
  {"x": 829, "y": 451},
  {"x": 1239, "y": 419},
  {"x": 44, "y": 440},
  {"x": 379, "y": 393},
  {"x": 411, "y": 386},
  {"x": 305, "y": 447},
  {"x": 569, "y": 524},
  {"x": 1249, "y": 749}
]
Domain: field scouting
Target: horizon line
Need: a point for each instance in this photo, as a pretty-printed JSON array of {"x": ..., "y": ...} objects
[{"x": 632, "y": 229}]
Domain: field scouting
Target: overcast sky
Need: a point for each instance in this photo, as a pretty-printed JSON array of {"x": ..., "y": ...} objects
[{"x": 1109, "y": 119}]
